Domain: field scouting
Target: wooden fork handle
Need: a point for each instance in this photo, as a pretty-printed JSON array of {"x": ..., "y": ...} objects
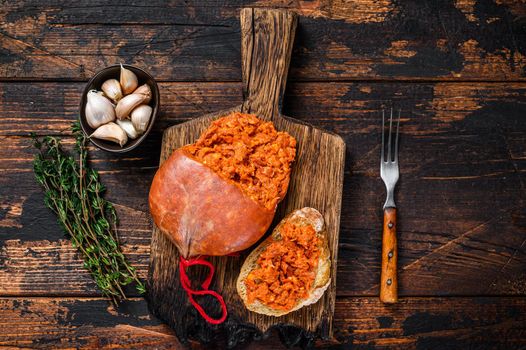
[{"x": 388, "y": 280}]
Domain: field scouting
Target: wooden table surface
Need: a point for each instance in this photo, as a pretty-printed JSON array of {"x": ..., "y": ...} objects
[{"x": 456, "y": 68}]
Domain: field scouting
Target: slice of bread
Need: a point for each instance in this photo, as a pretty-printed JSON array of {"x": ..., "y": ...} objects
[{"x": 304, "y": 216}]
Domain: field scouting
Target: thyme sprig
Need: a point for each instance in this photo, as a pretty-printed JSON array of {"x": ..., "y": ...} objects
[{"x": 74, "y": 192}]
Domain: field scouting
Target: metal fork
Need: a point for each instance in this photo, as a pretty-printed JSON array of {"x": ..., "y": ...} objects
[{"x": 389, "y": 173}]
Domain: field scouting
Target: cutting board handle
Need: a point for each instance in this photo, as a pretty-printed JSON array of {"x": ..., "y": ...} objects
[{"x": 267, "y": 37}]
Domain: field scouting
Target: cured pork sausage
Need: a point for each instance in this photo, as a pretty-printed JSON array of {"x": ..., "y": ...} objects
[{"x": 219, "y": 195}]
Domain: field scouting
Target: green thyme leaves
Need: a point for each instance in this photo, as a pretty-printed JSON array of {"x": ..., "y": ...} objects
[{"x": 73, "y": 191}]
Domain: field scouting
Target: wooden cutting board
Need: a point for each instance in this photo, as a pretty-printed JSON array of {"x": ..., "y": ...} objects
[{"x": 316, "y": 181}]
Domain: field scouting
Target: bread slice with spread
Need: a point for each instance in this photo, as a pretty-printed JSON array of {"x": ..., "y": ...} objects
[{"x": 290, "y": 269}]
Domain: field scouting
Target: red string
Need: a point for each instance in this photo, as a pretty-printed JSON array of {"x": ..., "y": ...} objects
[{"x": 187, "y": 286}]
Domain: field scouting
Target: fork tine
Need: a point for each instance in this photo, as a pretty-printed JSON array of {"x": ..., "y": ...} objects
[
  {"x": 389, "y": 139},
  {"x": 396, "y": 140},
  {"x": 383, "y": 136}
]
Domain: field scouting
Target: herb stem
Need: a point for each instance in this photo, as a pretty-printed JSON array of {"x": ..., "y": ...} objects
[{"x": 74, "y": 192}]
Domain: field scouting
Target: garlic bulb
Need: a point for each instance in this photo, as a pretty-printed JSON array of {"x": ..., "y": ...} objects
[
  {"x": 99, "y": 110},
  {"x": 127, "y": 126},
  {"x": 111, "y": 132},
  {"x": 112, "y": 89},
  {"x": 128, "y": 103},
  {"x": 140, "y": 118},
  {"x": 128, "y": 81},
  {"x": 144, "y": 90}
]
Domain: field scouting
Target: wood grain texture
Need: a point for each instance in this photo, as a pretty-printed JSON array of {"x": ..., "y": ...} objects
[
  {"x": 81, "y": 323},
  {"x": 361, "y": 323},
  {"x": 318, "y": 165},
  {"x": 431, "y": 323},
  {"x": 459, "y": 139},
  {"x": 267, "y": 39},
  {"x": 462, "y": 225},
  {"x": 199, "y": 41},
  {"x": 388, "y": 276}
]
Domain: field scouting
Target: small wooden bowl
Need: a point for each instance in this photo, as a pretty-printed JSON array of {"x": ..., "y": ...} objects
[{"x": 96, "y": 83}]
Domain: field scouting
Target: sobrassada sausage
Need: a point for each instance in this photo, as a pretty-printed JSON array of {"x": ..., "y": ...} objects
[{"x": 219, "y": 195}]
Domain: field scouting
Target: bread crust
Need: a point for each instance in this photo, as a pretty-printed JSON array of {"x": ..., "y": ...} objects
[{"x": 322, "y": 281}]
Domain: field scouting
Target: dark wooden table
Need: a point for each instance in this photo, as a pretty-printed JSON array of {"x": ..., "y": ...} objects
[{"x": 456, "y": 68}]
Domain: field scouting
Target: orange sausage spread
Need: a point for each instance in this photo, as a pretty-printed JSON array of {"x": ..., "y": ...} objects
[
  {"x": 249, "y": 152},
  {"x": 286, "y": 268}
]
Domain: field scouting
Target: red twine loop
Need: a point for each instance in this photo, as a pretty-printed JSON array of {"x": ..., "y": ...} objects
[{"x": 187, "y": 286}]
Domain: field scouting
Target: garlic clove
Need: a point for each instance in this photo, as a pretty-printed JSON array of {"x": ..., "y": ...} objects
[
  {"x": 111, "y": 132},
  {"x": 99, "y": 110},
  {"x": 128, "y": 127},
  {"x": 128, "y": 103},
  {"x": 112, "y": 89},
  {"x": 140, "y": 117},
  {"x": 145, "y": 90},
  {"x": 128, "y": 81}
]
